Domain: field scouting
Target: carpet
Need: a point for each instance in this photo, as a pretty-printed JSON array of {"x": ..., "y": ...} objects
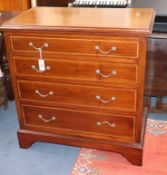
[
  {"x": 96, "y": 162},
  {"x": 39, "y": 159}
]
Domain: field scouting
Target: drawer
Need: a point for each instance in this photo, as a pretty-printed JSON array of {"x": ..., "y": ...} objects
[
  {"x": 79, "y": 70},
  {"x": 82, "y": 123},
  {"x": 112, "y": 47},
  {"x": 79, "y": 95}
]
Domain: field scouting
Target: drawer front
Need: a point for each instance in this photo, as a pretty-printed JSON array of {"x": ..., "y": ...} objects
[
  {"x": 119, "y": 47},
  {"x": 112, "y": 98},
  {"x": 94, "y": 123},
  {"x": 79, "y": 70},
  {"x": 117, "y": 73}
]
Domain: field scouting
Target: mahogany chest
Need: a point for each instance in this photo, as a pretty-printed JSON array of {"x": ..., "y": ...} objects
[{"x": 78, "y": 76}]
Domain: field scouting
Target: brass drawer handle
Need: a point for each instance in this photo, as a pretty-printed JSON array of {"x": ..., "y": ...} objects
[
  {"x": 113, "y": 125},
  {"x": 113, "y": 73},
  {"x": 45, "y": 45},
  {"x": 105, "y": 101},
  {"x": 39, "y": 49},
  {"x": 46, "y": 120},
  {"x": 40, "y": 71},
  {"x": 113, "y": 49},
  {"x": 50, "y": 93}
]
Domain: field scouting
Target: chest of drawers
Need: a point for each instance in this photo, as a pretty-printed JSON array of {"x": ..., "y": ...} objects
[{"x": 89, "y": 91}]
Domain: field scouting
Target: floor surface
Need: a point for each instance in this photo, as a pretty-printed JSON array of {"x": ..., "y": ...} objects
[{"x": 40, "y": 159}]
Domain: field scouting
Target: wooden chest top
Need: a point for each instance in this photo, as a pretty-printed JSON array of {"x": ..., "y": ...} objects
[{"x": 134, "y": 21}]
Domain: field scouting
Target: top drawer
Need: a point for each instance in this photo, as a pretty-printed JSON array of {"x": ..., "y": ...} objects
[{"x": 95, "y": 47}]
